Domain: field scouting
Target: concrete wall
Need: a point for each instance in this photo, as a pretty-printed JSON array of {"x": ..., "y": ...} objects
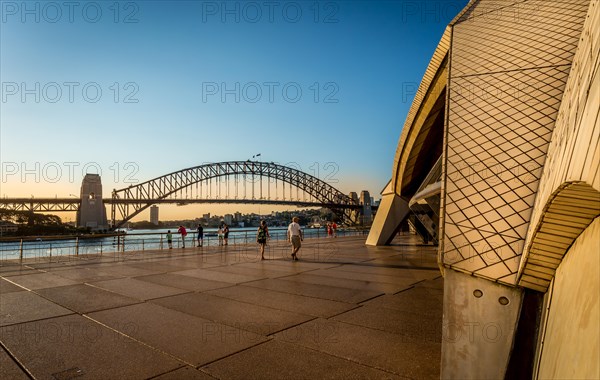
[{"x": 571, "y": 342}]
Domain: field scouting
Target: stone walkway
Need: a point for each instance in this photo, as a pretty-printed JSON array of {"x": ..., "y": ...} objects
[{"x": 344, "y": 311}]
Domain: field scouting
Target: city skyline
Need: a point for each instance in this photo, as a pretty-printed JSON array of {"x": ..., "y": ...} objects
[{"x": 136, "y": 90}]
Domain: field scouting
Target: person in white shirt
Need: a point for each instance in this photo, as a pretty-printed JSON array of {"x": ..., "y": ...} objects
[{"x": 295, "y": 236}]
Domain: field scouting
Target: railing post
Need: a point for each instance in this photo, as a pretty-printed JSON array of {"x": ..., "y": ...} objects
[
  {"x": 142, "y": 245},
  {"x": 160, "y": 244},
  {"x": 77, "y": 246},
  {"x": 21, "y": 250},
  {"x": 100, "y": 247}
]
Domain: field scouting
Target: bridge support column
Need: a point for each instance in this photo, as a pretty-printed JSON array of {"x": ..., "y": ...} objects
[
  {"x": 390, "y": 213},
  {"x": 92, "y": 212}
]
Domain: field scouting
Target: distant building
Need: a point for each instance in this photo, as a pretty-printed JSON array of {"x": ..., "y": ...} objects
[
  {"x": 8, "y": 227},
  {"x": 366, "y": 201},
  {"x": 228, "y": 219},
  {"x": 353, "y": 196},
  {"x": 154, "y": 215}
]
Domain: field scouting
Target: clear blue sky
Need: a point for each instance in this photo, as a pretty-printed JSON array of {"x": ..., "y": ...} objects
[{"x": 188, "y": 82}]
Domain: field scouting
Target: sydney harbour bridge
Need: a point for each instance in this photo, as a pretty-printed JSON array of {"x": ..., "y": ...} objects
[{"x": 241, "y": 182}]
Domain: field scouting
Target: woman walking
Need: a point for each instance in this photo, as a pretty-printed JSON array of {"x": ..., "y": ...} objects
[{"x": 262, "y": 234}]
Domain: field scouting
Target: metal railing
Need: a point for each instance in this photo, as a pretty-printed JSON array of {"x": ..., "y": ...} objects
[{"x": 72, "y": 247}]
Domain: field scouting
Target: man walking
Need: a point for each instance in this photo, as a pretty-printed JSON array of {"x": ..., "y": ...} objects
[{"x": 295, "y": 236}]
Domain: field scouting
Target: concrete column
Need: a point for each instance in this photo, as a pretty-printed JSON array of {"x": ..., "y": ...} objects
[
  {"x": 479, "y": 324},
  {"x": 390, "y": 213}
]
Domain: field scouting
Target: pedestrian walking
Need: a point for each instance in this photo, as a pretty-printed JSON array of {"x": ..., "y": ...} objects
[
  {"x": 295, "y": 236},
  {"x": 262, "y": 235},
  {"x": 334, "y": 229},
  {"x": 183, "y": 233},
  {"x": 200, "y": 231}
]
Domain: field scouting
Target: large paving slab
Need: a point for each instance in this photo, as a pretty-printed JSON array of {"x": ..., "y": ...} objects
[
  {"x": 16, "y": 270},
  {"x": 413, "y": 327},
  {"x": 8, "y": 287},
  {"x": 9, "y": 369},
  {"x": 85, "y": 298},
  {"x": 302, "y": 266},
  {"x": 391, "y": 270},
  {"x": 19, "y": 307},
  {"x": 71, "y": 346},
  {"x": 85, "y": 274},
  {"x": 280, "y": 360},
  {"x": 202, "y": 261},
  {"x": 184, "y": 282},
  {"x": 437, "y": 284},
  {"x": 212, "y": 275},
  {"x": 258, "y": 319},
  {"x": 373, "y": 348},
  {"x": 142, "y": 290},
  {"x": 187, "y": 372},
  {"x": 284, "y": 301},
  {"x": 422, "y": 301},
  {"x": 325, "y": 280},
  {"x": 191, "y": 339},
  {"x": 158, "y": 266},
  {"x": 403, "y": 281},
  {"x": 333, "y": 293},
  {"x": 125, "y": 270},
  {"x": 41, "y": 281},
  {"x": 273, "y": 266},
  {"x": 256, "y": 272}
]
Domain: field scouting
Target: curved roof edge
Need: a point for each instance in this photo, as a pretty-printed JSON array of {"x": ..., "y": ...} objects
[{"x": 433, "y": 68}]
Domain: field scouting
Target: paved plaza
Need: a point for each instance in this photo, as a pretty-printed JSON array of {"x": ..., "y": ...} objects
[{"x": 344, "y": 311}]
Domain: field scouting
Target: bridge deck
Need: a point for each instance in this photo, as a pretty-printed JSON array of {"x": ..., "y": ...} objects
[{"x": 344, "y": 310}]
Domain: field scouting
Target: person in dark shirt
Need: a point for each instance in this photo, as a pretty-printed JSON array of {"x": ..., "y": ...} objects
[{"x": 200, "y": 231}]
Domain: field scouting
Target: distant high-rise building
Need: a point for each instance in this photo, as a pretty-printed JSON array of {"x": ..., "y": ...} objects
[
  {"x": 228, "y": 219},
  {"x": 237, "y": 216},
  {"x": 154, "y": 215},
  {"x": 365, "y": 198},
  {"x": 366, "y": 202}
]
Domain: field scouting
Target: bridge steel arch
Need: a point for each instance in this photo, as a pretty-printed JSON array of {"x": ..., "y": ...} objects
[{"x": 160, "y": 188}]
